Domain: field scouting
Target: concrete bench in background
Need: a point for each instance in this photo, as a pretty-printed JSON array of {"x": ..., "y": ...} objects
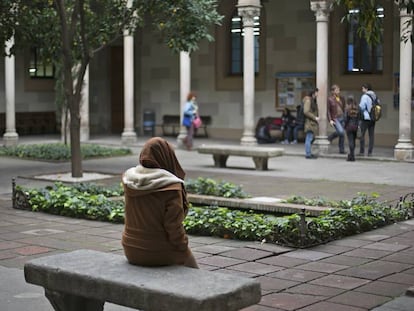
[
  {"x": 260, "y": 155},
  {"x": 86, "y": 279}
]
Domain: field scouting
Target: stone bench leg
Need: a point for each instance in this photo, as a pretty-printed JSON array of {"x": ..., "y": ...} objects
[
  {"x": 260, "y": 163},
  {"x": 220, "y": 160},
  {"x": 67, "y": 302}
]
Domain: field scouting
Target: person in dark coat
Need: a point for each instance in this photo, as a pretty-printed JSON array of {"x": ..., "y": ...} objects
[{"x": 155, "y": 207}]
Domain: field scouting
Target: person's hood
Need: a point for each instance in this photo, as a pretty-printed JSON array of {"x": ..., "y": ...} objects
[
  {"x": 142, "y": 178},
  {"x": 371, "y": 93}
]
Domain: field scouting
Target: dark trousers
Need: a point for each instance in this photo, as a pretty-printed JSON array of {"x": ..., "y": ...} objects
[
  {"x": 351, "y": 142},
  {"x": 370, "y": 126}
]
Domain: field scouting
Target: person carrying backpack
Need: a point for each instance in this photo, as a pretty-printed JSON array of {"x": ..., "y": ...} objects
[{"x": 367, "y": 124}]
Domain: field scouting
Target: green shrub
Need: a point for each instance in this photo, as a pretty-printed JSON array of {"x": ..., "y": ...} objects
[
  {"x": 60, "y": 151},
  {"x": 208, "y": 186},
  {"x": 360, "y": 214}
]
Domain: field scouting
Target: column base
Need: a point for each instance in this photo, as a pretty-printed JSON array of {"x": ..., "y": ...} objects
[
  {"x": 180, "y": 139},
  {"x": 404, "y": 151},
  {"x": 10, "y": 139},
  {"x": 321, "y": 144},
  {"x": 248, "y": 141},
  {"x": 129, "y": 137},
  {"x": 84, "y": 134}
]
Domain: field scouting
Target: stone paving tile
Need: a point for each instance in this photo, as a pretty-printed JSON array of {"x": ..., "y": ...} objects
[
  {"x": 75, "y": 236},
  {"x": 296, "y": 275},
  {"x": 238, "y": 273},
  {"x": 255, "y": 268},
  {"x": 408, "y": 235},
  {"x": 386, "y": 247},
  {"x": 246, "y": 254},
  {"x": 350, "y": 242},
  {"x": 383, "y": 288},
  {"x": 207, "y": 267},
  {"x": 339, "y": 281},
  {"x": 308, "y": 254},
  {"x": 358, "y": 299},
  {"x": 112, "y": 245},
  {"x": 346, "y": 260},
  {"x": 212, "y": 249},
  {"x": 315, "y": 290},
  {"x": 31, "y": 250},
  {"x": 401, "y": 278},
  {"x": 332, "y": 249},
  {"x": 330, "y": 306},
  {"x": 260, "y": 308},
  {"x": 287, "y": 301},
  {"x": 206, "y": 239},
  {"x": 401, "y": 304},
  {"x": 9, "y": 245},
  {"x": 283, "y": 261},
  {"x": 274, "y": 285},
  {"x": 374, "y": 270},
  {"x": 4, "y": 223},
  {"x": 273, "y": 248},
  {"x": 400, "y": 257},
  {"x": 58, "y": 244},
  {"x": 367, "y": 253},
  {"x": 7, "y": 254},
  {"x": 371, "y": 236},
  {"x": 322, "y": 267},
  {"x": 400, "y": 240},
  {"x": 232, "y": 243},
  {"x": 219, "y": 261},
  {"x": 198, "y": 255},
  {"x": 409, "y": 271},
  {"x": 10, "y": 236},
  {"x": 395, "y": 229},
  {"x": 19, "y": 261},
  {"x": 100, "y": 231}
]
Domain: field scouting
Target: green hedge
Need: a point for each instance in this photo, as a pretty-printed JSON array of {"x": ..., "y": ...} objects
[
  {"x": 361, "y": 214},
  {"x": 60, "y": 151}
]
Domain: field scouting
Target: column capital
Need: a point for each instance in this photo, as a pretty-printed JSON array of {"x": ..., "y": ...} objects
[
  {"x": 248, "y": 9},
  {"x": 404, "y": 13},
  {"x": 322, "y": 9}
]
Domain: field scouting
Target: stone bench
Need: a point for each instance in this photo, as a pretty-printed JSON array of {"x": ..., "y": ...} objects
[
  {"x": 86, "y": 279},
  {"x": 260, "y": 155},
  {"x": 171, "y": 125}
]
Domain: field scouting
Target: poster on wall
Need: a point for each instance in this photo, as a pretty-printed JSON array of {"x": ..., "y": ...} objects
[{"x": 291, "y": 87}]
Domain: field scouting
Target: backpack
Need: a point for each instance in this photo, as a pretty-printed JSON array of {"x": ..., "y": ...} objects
[
  {"x": 375, "y": 112},
  {"x": 300, "y": 117}
]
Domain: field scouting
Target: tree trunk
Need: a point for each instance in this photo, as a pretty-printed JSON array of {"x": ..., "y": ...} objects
[{"x": 75, "y": 146}]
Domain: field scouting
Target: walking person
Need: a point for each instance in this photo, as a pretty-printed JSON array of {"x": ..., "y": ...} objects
[
  {"x": 155, "y": 207},
  {"x": 367, "y": 99},
  {"x": 351, "y": 125},
  {"x": 336, "y": 108},
  {"x": 190, "y": 112},
  {"x": 311, "y": 112}
]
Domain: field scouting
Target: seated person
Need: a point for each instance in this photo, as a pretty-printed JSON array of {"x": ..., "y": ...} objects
[
  {"x": 289, "y": 126},
  {"x": 262, "y": 132}
]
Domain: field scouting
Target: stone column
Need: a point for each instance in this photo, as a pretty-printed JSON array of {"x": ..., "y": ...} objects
[
  {"x": 84, "y": 108},
  {"x": 128, "y": 135},
  {"x": 404, "y": 148},
  {"x": 10, "y": 136},
  {"x": 322, "y": 10},
  {"x": 248, "y": 9},
  {"x": 185, "y": 87}
]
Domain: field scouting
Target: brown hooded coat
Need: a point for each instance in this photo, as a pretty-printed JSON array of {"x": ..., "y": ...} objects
[{"x": 155, "y": 207}]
